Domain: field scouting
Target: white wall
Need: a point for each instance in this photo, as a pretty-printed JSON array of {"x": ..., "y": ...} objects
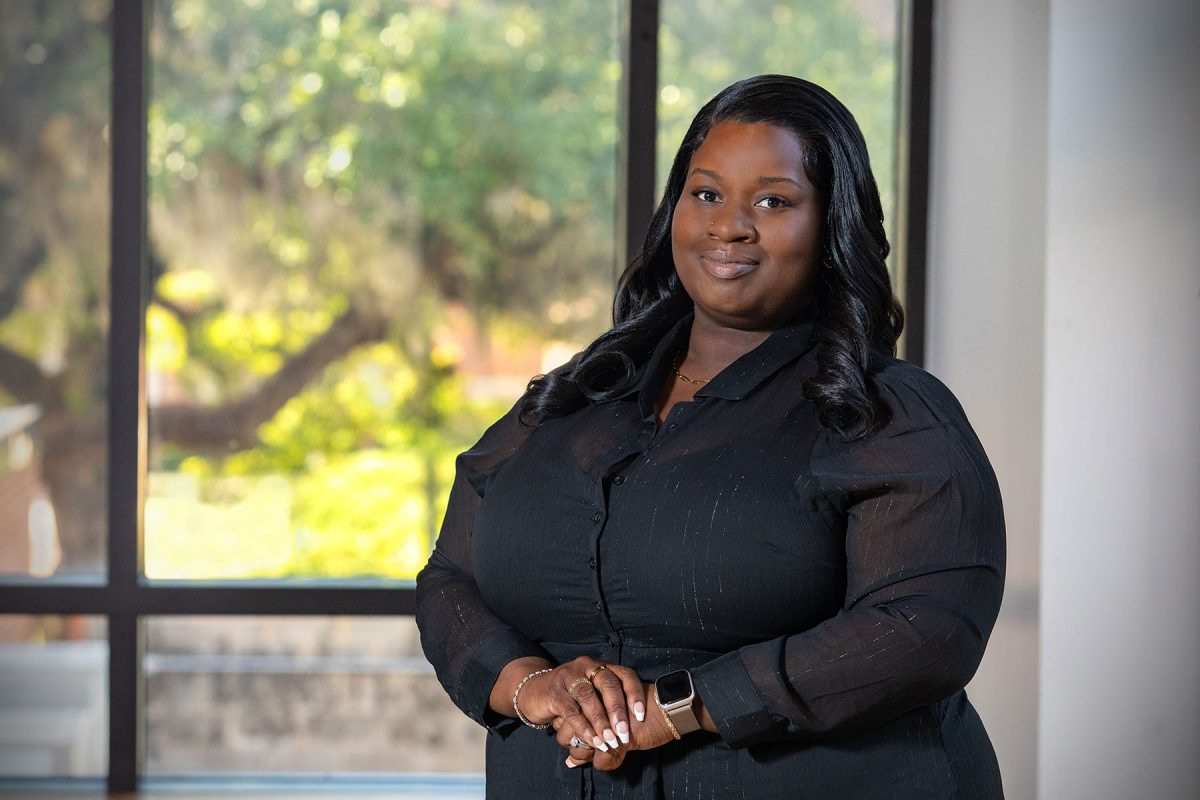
[
  {"x": 986, "y": 306},
  {"x": 1065, "y": 314},
  {"x": 1120, "y": 666}
]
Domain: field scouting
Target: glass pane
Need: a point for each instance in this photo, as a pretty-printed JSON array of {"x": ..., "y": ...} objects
[
  {"x": 54, "y": 218},
  {"x": 53, "y": 697},
  {"x": 371, "y": 224},
  {"x": 299, "y": 695},
  {"x": 850, "y": 48}
]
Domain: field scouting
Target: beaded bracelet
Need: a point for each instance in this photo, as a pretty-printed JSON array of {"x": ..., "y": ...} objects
[
  {"x": 517, "y": 708},
  {"x": 667, "y": 718},
  {"x": 670, "y": 723}
]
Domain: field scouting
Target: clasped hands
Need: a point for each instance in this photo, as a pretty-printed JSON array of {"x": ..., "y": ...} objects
[{"x": 598, "y": 711}]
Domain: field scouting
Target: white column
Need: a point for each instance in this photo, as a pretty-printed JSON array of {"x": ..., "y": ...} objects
[
  {"x": 987, "y": 257},
  {"x": 1120, "y": 626}
]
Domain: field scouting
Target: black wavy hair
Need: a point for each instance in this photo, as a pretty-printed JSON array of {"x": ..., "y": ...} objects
[{"x": 856, "y": 311}]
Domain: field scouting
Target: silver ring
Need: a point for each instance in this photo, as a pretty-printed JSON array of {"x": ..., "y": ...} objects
[{"x": 577, "y": 742}]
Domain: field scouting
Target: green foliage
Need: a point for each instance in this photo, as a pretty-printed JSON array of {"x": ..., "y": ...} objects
[
  {"x": 369, "y": 513},
  {"x": 847, "y": 46},
  {"x": 54, "y": 113},
  {"x": 464, "y": 137},
  {"x": 307, "y": 155}
]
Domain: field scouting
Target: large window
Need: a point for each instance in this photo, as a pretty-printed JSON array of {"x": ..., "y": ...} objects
[
  {"x": 370, "y": 224},
  {"x": 55, "y": 72},
  {"x": 343, "y": 236}
]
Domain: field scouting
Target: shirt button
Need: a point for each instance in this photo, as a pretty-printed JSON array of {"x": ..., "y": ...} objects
[
  {"x": 672, "y": 426},
  {"x": 617, "y": 481},
  {"x": 613, "y": 639},
  {"x": 598, "y": 606},
  {"x": 597, "y": 517},
  {"x": 592, "y": 562}
]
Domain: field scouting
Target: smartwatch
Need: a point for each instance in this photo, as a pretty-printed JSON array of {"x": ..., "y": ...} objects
[{"x": 674, "y": 694}]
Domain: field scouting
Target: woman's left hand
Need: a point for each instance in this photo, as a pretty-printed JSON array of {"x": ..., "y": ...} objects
[{"x": 646, "y": 735}]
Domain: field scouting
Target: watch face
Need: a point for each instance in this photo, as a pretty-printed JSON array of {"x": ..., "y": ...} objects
[{"x": 673, "y": 687}]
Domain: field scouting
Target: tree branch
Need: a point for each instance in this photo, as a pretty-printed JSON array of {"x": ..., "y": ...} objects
[
  {"x": 234, "y": 426},
  {"x": 23, "y": 379},
  {"x": 21, "y": 256},
  {"x": 23, "y": 265}
]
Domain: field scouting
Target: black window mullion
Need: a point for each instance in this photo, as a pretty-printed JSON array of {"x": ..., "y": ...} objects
[
  {"x": 126, "y": 387},
  {"x": 124, "y": 701},
  {"x": 298, "y": 598},
  {"x": 639, "y": 90},
  {"x": 266, "y": 598},
  {"x": 916, "y": 58}
]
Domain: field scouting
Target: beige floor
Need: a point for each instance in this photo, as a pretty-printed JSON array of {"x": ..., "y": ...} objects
[
  {"x": 265, "y": 795},
  {"x": 416, "y": 788},
  {"x": 260, "y": 796}
]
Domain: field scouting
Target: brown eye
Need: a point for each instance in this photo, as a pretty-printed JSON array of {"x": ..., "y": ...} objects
[{"x": 774, "y": 201}]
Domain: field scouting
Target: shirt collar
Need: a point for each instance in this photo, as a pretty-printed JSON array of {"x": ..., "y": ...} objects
[{"x": 785, "y": 345}]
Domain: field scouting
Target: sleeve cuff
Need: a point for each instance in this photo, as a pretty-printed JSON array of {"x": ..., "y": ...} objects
[
  {"x": 733, "y": 701},
  {"x": 479, "y": 677}
]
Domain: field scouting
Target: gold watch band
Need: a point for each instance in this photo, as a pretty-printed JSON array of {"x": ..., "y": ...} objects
[{"x": 683, "y": 719}]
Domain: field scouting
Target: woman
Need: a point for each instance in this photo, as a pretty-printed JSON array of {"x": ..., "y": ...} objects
[{"x": 734, "y": 547}]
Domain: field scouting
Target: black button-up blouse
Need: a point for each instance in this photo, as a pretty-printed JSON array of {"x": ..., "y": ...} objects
[{"x": 830, "y": 598}]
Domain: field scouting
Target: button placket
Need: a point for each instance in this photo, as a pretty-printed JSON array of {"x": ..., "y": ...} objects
[
  {"x": 598, "y": 519},
  {"x": 623, "y": 458},
  {"x": 671, "y": 423}
]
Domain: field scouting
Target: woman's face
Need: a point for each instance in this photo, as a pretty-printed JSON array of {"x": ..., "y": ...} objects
[{"x": 746, "y": 234}]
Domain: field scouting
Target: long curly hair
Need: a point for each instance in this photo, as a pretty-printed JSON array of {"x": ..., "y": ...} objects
[{"x": 856, "y": 311}]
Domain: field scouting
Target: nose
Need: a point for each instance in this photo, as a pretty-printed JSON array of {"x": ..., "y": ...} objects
[{"x": 732, "y": 223}]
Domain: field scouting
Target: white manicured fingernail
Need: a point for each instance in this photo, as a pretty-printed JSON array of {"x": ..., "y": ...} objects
[
  {"x": 598, "y": 743},
  {"x": 611, "y": 738},
  {"x": 639, "y": 711},
  {"x": 623, "y": 732},
  {"x": 570, "y": 762}
]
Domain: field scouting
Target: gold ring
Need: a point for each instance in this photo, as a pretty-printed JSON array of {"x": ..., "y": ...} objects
[
  {"x": 574, "y": 683},
  {"x": 596, "y": 671}
]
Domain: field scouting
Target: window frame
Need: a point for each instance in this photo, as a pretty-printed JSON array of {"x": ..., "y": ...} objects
[{"x": 124, "y": 596}]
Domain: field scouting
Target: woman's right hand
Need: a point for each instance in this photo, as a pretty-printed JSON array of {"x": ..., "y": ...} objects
[{"x": 598, "y": 711}]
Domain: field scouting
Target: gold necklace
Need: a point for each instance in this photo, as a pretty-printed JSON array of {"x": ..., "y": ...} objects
[{"x": 681, "y": 376}]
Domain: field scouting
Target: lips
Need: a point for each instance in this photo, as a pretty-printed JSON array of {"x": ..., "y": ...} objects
[{"x": 727, "y": 265}]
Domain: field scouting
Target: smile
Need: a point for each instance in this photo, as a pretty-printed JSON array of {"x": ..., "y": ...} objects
[{"x": 725, "y": 267}]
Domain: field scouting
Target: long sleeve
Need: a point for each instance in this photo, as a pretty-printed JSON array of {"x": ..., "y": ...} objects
[
  {"x": 924, "y": 549},
  {"x": 466, "y": 643}
]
